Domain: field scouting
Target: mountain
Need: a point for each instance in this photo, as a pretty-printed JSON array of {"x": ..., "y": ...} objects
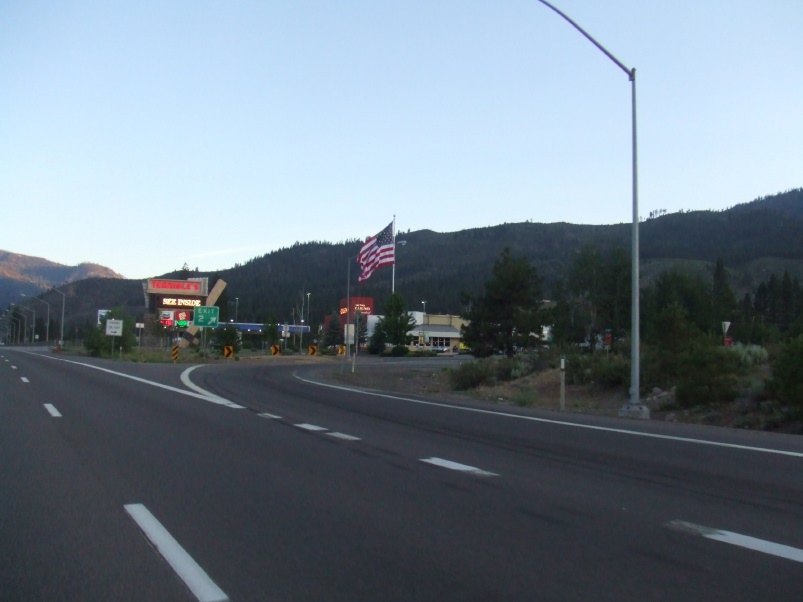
[
  {"x": 26, "y": 275},
  {"x": 753, "y": 239}
]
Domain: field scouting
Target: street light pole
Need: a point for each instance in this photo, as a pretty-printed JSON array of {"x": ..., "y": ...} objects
[
  {"x": 308, "y": 324},
  {"x": 633, "y": 408},
  {"x": 33, "y": 323},
  {"x": 63, "y": 298},
  {"x": 15, "y": 338},
  {"x": 47, "y": 324}
]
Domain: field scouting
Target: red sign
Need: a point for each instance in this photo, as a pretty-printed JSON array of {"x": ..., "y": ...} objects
[
  {"x": 186, "y": 286},
  {"x": 364, "y": 305}
]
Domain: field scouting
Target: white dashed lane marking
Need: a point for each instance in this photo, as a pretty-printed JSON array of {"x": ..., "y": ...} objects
[
  {"x": 53, "y": 411},
  {"x": 315, "y": 428},
  {"x": 310, "y": 427},
  {"x": 177, "y": 557},
  {"x": 343, "y": 436},
  {"x": 459, "y": 467},
  {"x": 737, "y": 539}
]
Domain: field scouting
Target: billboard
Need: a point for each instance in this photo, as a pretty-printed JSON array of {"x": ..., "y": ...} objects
[
  {"x": 194, "y": 287},
  {"x": 364, "y": 305}
]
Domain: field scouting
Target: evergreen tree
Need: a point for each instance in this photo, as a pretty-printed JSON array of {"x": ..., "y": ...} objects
[
  {"x": 333, "y": 333},
  {"x": 397, "y": 322},
  {"x": 585, "y": 284},
  {"x": 227, "y": 335},
  {"x": 507, "y": 316},
  {"x": 723, "y": 300},
  {"x": 688, "y": 293},
  {"x": 270, "y": 331}
]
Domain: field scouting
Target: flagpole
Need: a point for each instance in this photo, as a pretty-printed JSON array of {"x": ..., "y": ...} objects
[
  {"x": 393, "y": 279},
  {"x": 348, "y": 309}
]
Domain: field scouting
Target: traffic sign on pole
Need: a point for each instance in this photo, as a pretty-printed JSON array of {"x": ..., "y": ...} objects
[{"x": 206, "y": 316}]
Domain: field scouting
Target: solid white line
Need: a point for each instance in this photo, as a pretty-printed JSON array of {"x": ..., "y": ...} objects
[
  {"x": 310, "y": 427},
  {"x": 344, "y": 436},
  {"x": 190, "y": 572},
  {"x": 555, "y": 422},
  {"x": 271, "y": 416},
  {"x": 215, "y": 399},
  {"x": 737, "y": 539},
  {"x": 457, "y": 466},
  {"x": 53, "y": 411},
  {"x": 185, "y": 378},
  {"x": 24, "y": 379}
]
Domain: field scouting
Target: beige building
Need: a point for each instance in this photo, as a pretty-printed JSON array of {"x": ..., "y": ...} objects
[{"x": 436, "y": 332}]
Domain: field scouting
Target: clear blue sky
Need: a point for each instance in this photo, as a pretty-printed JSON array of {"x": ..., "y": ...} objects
[{"x": 145, "y": 135}]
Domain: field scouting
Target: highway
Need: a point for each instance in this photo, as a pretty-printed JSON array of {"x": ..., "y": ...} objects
[{"x": 261, "y": 481}]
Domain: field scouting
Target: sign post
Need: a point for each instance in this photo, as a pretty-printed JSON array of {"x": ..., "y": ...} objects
[
  {"x": 114, "y": 328},
  {"x": 188, "y": 337}
]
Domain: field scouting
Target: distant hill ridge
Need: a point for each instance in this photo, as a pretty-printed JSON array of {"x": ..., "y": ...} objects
[
  {"x": 27, "y": 275},
  {"x": 754, "y": 239},
  {"x": 48, "y": 273}
]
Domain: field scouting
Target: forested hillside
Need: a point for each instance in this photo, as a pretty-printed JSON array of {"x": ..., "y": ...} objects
[{"x": 754, "y": 241}]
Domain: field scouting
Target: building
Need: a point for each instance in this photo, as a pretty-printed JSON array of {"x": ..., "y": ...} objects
[{"x": 436, "y": 332}]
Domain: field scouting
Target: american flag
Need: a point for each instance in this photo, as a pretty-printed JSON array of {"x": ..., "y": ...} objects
[{"x": 378, "y": 251}]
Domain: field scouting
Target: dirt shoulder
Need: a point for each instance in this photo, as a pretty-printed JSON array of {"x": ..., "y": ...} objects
[
  {"x": 538, "y": 391},
  {"x": 541, "y": 391}
]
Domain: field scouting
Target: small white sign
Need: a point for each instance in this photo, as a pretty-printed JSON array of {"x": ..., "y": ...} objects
[{"x": 114, "y": 328}]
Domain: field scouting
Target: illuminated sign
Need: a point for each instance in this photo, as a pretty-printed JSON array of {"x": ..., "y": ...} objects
[
  {"x": 364, "y": 305},
  {"x": 189, "y": 287},
  {"x": 179, "y": 302}
]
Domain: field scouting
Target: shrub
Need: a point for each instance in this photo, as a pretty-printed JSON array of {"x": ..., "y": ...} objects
[
  {"x": 603, "y": 369},
  {"x": 610, "y": 370},
  {"x": 749, "y": 356},
  {"x": 470, "y": 375},
  {"x": 707, "y": 374},
  {"x": 786, "y": 383},
  {"x": 525, "y": 396},
  {"x": 578, "y": 368},
  {"x": 399, "y": 351}
]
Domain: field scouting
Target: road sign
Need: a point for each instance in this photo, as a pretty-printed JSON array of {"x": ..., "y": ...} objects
[
  {"x": 228, "y": 351},
  {"x": 275, "y": 349},
  {"x": 313, "y": 350},
  {"x": 206, "y": 316},
  {"x": 114, "y": 328}
]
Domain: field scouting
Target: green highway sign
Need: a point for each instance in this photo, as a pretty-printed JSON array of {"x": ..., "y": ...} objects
[{"x": 206, "y": 316}]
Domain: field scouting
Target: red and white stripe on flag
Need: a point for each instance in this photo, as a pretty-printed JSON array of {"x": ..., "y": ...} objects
[{"x": 378, "y": 251}]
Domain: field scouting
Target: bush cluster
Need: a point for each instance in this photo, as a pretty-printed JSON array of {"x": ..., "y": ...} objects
[
  {"x": 489, "y": 371},
  {"x": 786, "y": 384},
  {"x": 602, "y": 369}
]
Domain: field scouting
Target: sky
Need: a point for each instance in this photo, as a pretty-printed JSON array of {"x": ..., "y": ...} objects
[{"x": 144, "y": 136}]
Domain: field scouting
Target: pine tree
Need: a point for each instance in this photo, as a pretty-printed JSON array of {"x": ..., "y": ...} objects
[{"x": 507, "y": 316}]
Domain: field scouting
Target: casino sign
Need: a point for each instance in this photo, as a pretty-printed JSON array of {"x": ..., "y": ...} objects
[{"x": 173, "y": 301}]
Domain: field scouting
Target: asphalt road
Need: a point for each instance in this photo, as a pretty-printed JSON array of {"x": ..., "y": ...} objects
[{"x": 257, "y": 482}]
